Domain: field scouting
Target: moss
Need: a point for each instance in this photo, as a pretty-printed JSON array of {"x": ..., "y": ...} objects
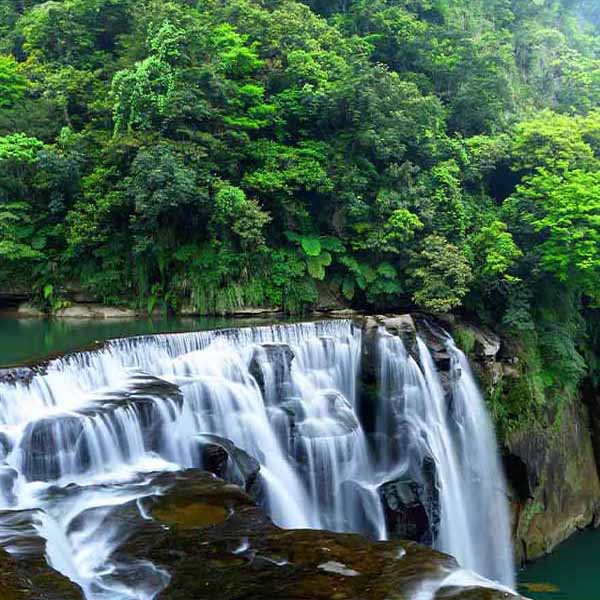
[
  {"x": 529, "y": 512},
  {"x": 197, "y": 514},
  {"x": 464, "y": 338}
]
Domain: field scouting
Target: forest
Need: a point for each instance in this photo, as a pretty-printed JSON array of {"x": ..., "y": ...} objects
[{"x": 430, "y": 155}]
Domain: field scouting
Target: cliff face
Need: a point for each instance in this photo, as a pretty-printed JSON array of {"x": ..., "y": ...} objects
[
  {"x": 556, "y": 489},
  {"x": 552, "y": 471}
]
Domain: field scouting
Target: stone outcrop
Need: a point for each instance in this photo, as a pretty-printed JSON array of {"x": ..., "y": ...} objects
[
  {"x": 272, "y": 361},
  {"x": 225, "y": 460},
  {"x": 52, "y": 442},
  {"x": 411, "y": 507},
  {"x": 95, "y": 311},
  {"x": 27, "y": 310},
  {"x": 554, "y": 483},
  {"x": 215, "y": 543}
]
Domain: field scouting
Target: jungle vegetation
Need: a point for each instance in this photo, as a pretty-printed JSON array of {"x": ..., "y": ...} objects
[{"x": 207, "y": 155}]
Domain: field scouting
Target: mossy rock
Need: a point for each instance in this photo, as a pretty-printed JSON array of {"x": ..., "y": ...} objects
[{"x": 216, "y": 543}]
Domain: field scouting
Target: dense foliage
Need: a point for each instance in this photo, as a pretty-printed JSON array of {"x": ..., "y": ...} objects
[{"x": 214, "y": 154}]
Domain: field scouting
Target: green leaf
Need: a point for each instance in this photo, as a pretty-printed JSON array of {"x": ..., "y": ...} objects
[
  {"x": 38, "y": 242},
  {"x": 348, "y": 288},
  {"x": 311, "y": 246},
  {"x": 325, "y": 259},
  {"x": 315, "y": 268},
  {"x": 386, "y": 270},
  {"x": 332, "y": 244}
]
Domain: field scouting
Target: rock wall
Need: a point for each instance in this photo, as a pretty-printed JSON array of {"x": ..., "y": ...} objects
[
  {"x": 552, "y": 471},
  {"x": 555, "y": 487}
]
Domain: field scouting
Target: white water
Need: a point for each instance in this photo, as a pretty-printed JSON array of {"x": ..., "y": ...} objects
[
  {"x": 417, "y": 420},
  {"x": 104, "y": 420}
]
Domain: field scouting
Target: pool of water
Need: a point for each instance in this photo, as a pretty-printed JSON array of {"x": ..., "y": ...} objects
[
  {"x": 30, "y": 340},
  {"x": 572, "y": 572}
]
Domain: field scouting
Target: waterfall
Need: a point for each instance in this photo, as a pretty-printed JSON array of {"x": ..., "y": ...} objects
[
  {"x": 419, "y": 423},
  {"x": 83, "y": 435}
]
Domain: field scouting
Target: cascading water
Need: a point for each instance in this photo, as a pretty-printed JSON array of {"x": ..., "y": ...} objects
[
  {"x": 441, "y": 443},
  {"x": 285, "y": 394},
  {"x": 82, "y": 437}
]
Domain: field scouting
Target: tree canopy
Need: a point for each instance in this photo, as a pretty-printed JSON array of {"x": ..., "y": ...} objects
[{"x": 209, "y": 155}]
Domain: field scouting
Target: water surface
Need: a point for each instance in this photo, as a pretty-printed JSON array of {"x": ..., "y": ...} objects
[
  {"x": 570, "y": 573},
  {"x": 30, "y": 340}
]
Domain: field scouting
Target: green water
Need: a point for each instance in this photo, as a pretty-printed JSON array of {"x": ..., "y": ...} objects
[
  {"x": 30, "y": 340},
  {"x": 572, "y": 572}
]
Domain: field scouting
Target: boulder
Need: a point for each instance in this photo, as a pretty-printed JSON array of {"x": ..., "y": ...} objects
[
  {"x": 75, "y": 311},
  {"x": 95, "y": 311},
  {"x": 412, "y": 506},
  {"x": 100, "y": 311},
  {"x": 27, "y": 310},
  {"x": 486, "y": 345},
  {"x": 223, "y": 458},
  {"x": 8, "y": 478}
]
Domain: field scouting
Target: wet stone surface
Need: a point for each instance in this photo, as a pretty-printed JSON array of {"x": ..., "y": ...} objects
[{"x": 216, "y": 543}]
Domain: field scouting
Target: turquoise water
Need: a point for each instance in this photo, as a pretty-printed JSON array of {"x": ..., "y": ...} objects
[
  {"x": 29, "y": 340},
  {"x": 572, "y": 572}
]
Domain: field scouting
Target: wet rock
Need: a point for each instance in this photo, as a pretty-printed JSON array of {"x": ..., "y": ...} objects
[
  {"x": 33, "y": 579},
  {"x": 5, "y": 445},
  {"x": 215, "y": 543},
  {"x": 412, "y": 506},
  {"x": 333, "y": 416},
  {"x": 22, "y": 375},
  {"x": 554, "y": 482},
  {"x": 8, "y": 477},
  {"x": 45, "y": 443},
  {"x": 25, "y": 575},
  {"x": 329, "y": 430},
  {"x": 223, "y": 458},
  {"x": 487, "y": 344},
  {"x": 270, "y": 366},
  {"x": 63, "y": 444},
  {"x": 360, "y": 501},
  {"x": 370, "y": 351},
  {"x": 442, "y": 360},
  {"x": 27, "y": 311},
  {"x": 402, "y": 326},
  {"x": 474, "y": 593}
]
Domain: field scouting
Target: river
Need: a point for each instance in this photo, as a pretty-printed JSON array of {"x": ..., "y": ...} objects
[
  {"x": 569, "y": 573},
  {"x": 29, "y": 340}
]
